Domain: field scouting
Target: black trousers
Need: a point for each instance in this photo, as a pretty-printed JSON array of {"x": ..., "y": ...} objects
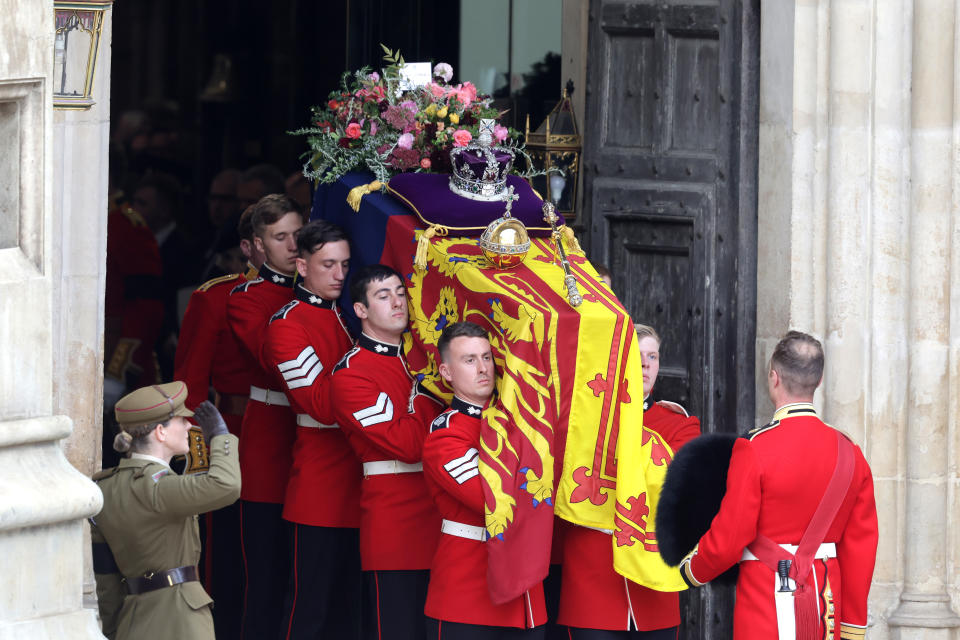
[
  {"x": 323, "y": 591},
  {"x": 222, "y": 566},
  {"x": 266, "y": 563},
  {"x": 443, "y": 630},
  {"x": 393, "y": 604},
  {"x": 603, "y": 634}
]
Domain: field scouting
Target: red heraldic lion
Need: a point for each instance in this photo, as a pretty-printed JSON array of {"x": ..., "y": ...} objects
[
  {"x": 269, "y": 426},
  {"x": 458, "y": 577},
  {"x": 593, "y": 595},
  {"x": 385, "y": 416},
  {"x": 304, "y": 341}
]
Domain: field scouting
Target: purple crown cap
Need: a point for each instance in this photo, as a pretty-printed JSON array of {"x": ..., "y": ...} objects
[{"x": 480, "y": 170}]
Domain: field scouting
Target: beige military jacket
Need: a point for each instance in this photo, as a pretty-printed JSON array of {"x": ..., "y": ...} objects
[{"x": 149, "y": 521}]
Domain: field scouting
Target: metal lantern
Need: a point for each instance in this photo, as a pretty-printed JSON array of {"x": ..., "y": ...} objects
[
  {"x": 78, "y": 26},
  {"x": 555, "y": 148}
]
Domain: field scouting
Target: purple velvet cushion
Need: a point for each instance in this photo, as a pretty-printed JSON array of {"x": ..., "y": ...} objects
[{"x": 429, "y": 196}]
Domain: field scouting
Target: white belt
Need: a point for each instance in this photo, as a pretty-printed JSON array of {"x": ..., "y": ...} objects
[
  {"x": 269, "y": 396},
  {"x": 468, "y": 531},
  {"x": 304, "y": 420},
  {"x": 824, "y": 551},
  {"x": 383, "y": 467}
]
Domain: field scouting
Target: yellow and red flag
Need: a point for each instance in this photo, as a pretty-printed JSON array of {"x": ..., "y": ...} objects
[{"x": 565, "y": 414}]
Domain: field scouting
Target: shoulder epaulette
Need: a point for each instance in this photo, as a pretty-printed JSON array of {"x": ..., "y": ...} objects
[
  {"x": 753, "y": 433},
  {"x": 420, "y": 389},
  {"x": 345, "y": 360},
  {"x": 209, "y": 283},
  {"x": 442, "y": 421},
  {"x": 284, "y": 310},
  {"x": 243, "y": 286},
  {"x": 104, "y": 473}
]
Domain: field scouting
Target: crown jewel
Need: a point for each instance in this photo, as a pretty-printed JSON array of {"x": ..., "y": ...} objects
[{"x": 480, "y": 169}]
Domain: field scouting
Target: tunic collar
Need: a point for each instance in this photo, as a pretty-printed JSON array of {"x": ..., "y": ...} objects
[
  {"x": 795, "y": 409},
  {"x": 461, "y": 405},
  {"x": 149, "y": 458},
  {"x": 269, "y": 274},
  {"x": 378, "y": 347},
  {"x": 251, "y": 272},
  {"x": 305, "y": 295}
]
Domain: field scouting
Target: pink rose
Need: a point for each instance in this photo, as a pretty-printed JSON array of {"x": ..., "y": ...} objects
[
  {"x": 353, "y": 130},
  {"x": 425, "y": 163},
  {"x": 465, "y": 93},
  {"x": 461, "y": 138},
  {"x": 500, "y": 133},
  {"x": 405, "y": 141},
  {"x": 436, "y": 90}
]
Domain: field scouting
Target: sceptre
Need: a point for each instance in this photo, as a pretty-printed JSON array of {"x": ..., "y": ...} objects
[{"x": 570, "y": 282}]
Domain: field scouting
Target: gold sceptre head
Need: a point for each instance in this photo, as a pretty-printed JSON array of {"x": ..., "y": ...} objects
[{"x": 570, "y": 282}]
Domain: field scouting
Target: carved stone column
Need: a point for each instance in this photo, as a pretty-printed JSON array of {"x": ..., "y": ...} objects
[
  {"x": 924, "y": 610},
  {"x": 49, "y": 345}
]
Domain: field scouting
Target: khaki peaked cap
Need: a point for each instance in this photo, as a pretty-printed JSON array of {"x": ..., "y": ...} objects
[{"x": 153, "y": 404}]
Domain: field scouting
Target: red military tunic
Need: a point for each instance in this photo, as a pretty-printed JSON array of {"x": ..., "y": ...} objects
[
  {"x": 133, "y": 308},
  {"x": 304, "y": 342},
  {"x": 208, "y": 352},
  {"x": 386, "y": 416},
  {"x": 592, "y": 594},
  {"x": 458, "y": 577},
  {"x": 777, "y": 477},
  {"x": 269, "y": 426}
]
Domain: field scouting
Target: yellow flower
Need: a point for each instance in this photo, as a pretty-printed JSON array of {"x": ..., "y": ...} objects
[
  {"x": 431, "y": 109},
  {"x": 442, "y": 112},
  {"x": 454, "y": 118}
]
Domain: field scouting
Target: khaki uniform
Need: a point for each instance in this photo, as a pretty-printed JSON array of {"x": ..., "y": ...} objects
[{"x": 149, "y": 521}]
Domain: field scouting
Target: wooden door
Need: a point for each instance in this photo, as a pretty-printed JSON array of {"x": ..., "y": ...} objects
[{"x": 670, "y": 178}]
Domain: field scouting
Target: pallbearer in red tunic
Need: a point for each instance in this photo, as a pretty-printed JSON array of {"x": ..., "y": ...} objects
[
  {"x": 595, "y": 601},
  {"x": 783, "y": 492},
  {"x": 269, "y": 426},
  {"x": 304, "y": 341},
  {"x": 386, "y": 414},
  {"x": 458, "y": 601},
  {"x": 209, "y": 356}
]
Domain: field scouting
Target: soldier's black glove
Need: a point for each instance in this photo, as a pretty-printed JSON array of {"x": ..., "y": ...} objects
[{"x": 210, "y": 421}]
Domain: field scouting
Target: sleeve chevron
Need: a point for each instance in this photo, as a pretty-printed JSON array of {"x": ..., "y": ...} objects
[
  {"x": 465, "y": 467},
  {"x": 302, "y": 370},
  {"x": 380, "y": 411}
]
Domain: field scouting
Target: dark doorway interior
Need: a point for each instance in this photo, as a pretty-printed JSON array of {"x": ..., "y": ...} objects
[{"x": 670, "y": 181}]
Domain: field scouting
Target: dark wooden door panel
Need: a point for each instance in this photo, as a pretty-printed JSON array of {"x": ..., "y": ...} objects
[{"x": 670, "y": 157}]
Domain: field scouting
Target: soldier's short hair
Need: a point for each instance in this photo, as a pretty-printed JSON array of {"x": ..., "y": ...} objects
[
  {"x": 798, "y": 360},
  {"x": 646, "y": 331},
  {"x": 312, "y": 236},
  {"x": 245, "y": 224},
  {"x": 458, "y": 330},
  {"x": 271, "y": 208},
  {"x": 364, "y": 276}
]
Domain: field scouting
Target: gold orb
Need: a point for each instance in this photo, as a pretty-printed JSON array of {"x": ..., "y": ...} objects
[{"x": 505, "y": 242}]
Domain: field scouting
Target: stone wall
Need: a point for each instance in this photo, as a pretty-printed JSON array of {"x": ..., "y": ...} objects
[
  {"x": 859, "y": 243},
  {"x": 51, "y": 308}
]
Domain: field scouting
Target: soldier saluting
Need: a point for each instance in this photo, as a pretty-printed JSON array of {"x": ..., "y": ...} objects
[{"x": 146, "y": 540}]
